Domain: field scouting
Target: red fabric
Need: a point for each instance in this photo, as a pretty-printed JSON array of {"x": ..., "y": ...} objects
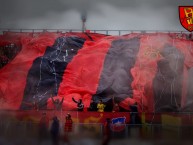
[
  {"x": 13, "y": 75},
  {"x": 185, "y": 47},
  {"x": 13, "y": 37},
  {"x": 82, "y": 75},
  {"x": 145, "y": 69}
]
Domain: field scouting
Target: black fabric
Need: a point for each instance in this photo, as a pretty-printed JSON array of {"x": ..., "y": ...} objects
[
  {"x": 89, "y": 36},
  {"x": 116, "y": 78},
  {"x": 92, "y": 106},
  {"x": 46, "y": 73},
  {"x": 167, "y": 84}
]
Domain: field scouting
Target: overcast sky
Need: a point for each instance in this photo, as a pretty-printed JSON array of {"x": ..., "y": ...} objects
[{"x": 101, "y": 14}]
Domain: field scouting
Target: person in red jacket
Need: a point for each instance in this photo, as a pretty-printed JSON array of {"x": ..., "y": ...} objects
[
  {"x": 67, "y": 127},
  {"x": 68, "y": 124}
]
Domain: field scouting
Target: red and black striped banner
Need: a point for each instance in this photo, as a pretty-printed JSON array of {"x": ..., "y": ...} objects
[{"x": 154, "y": 70}]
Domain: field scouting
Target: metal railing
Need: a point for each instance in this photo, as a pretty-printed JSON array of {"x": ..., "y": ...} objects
[{"x": 106, "y": 32}]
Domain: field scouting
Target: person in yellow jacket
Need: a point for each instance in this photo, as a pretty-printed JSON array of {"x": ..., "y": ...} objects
[{"x": 101, "y": 106}]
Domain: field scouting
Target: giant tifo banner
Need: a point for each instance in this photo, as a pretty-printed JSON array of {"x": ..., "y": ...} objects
[{"x": 155, "y": 70}]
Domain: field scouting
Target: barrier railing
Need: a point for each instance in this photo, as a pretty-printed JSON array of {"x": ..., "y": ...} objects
[
  {"x": 26, "y": 131},
  {"x": 106, "y": 32}
]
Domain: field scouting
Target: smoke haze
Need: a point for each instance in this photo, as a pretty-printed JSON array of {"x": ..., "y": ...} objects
[{"x": 102, "y": 14}]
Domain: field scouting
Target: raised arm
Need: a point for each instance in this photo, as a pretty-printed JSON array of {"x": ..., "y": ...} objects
[
  {"x": 62, "y": 101},
  {"x": 74, "y": 100}
]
